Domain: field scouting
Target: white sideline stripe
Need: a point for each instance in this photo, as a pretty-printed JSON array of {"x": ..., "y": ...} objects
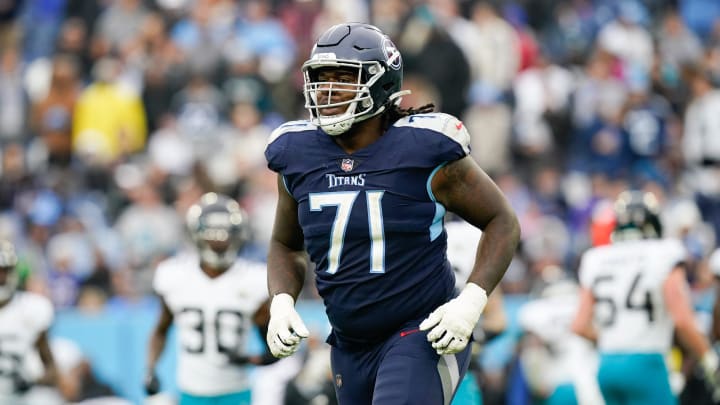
[{"x": 449, "y": 376}]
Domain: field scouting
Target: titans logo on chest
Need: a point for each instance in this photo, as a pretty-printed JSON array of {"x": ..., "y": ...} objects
[{"x": 354, "y": 180}]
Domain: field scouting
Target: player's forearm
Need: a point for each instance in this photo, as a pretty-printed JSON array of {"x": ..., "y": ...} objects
[
  {"x": 495, "y": 251},
  {"x": 286, "y": 270},
  {"x": 691, "y": 337},
  {"x": 157, "y": 345},
  {"x": 50, "y": 377},
  {"x": 587, "y": 331},
  {"x": 715, "y": 334}
]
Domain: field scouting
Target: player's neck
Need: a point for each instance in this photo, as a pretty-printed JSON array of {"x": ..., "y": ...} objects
[{"x": 360, "y": 135}]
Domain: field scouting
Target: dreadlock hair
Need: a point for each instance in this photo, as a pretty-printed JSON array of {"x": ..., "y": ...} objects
[{"x": 394, "y": 113}]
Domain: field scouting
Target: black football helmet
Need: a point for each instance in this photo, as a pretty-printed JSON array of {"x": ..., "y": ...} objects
[
  {"x": 219, "y": 228},
  {"x": 637, "y": 216},
  {"x": 8, "y": 263},
  {"x": 360, "y": 47}
]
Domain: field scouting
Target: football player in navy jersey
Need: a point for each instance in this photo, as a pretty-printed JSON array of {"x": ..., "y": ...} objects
[{"x": 364, "y": 186}]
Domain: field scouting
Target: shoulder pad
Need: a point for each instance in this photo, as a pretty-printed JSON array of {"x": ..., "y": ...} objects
[
  {"x": 674, "y": 249},
  {"x": 170, "y": 270},
  {"x": 445, "y": 124},
  {"x": 41, "y": 309},
  {"x": 291, "y": 126}
]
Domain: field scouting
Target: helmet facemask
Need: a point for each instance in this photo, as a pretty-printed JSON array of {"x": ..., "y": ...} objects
[
  {"x": 8, "y": 262},
  {"x": 359, "y": 103},
  {"x": 8, "y": 288}
]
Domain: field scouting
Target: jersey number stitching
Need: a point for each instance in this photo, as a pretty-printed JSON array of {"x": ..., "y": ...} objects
[
  {"x": 9, "y": 360},
  {"x": 344, "y": 201},
  {"x": 220, "y": 330},
  {"x": 631, "y": 299}
]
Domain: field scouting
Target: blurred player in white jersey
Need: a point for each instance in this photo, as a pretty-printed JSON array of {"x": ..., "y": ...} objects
[
  {"x": 633, "y": 293},
  {"x": 560, "y": 367},
  {"x": 462, "y": 242},
  {"x": 214, "y": 298},
  {"x": 24, "y": 322},
  {"x": 714, "y": 264}
]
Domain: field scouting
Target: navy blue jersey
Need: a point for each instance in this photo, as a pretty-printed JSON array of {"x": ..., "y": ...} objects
[{"x": 370, "y": 221}]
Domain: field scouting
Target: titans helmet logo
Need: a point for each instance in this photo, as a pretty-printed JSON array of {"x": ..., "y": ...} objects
[{"x": 392, "y": 55}]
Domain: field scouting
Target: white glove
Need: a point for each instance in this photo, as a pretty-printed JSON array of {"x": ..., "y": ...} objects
[
  {"x": 709, "y": 364},
  {"x": 285, "y": 329},
  {"x": 453, "y": 322}
]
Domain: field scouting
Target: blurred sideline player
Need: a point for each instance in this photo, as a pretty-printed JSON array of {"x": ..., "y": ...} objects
[
  {"x": 559, "y": 366},
  {"x": 636, "y": 290},
  {"x": 24, "y": 322},
  {"x": 462, "y": 241},
  {"x": 214, "y": 298},
  {"x": 714, "y": 264}
]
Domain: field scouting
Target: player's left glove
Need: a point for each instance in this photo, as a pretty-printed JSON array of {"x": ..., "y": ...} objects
[
  {"x": 710, "y": 364},
  {"x": 286, "y": 329},
  {"x": 151, "y": 383},
  {"x": 453, "y": 322}
]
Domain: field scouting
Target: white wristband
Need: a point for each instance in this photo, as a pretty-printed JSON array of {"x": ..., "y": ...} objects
[
  {"x": 475, "y": 293},
  {"x": 283, "y": 300}
]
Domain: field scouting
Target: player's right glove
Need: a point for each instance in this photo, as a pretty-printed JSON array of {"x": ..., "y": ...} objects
[
  {"x": 151, "y": 383},
  {"x": 21, "y": 385},
  {"x": 710, "y": 364},
  {"x": 285, "y": 329}
]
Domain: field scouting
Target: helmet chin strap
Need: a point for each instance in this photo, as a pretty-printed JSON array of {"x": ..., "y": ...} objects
[{"x": 339, "y": 124}]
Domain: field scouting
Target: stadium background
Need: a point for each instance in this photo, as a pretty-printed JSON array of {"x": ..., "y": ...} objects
[{"x": 115, "y": 115}]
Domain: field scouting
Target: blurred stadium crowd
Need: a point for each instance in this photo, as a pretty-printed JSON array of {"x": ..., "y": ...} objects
[{"x": 116, "y": 115}]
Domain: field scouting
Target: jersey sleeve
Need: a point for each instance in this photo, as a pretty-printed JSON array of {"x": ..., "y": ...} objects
[
  {"x": 258, "y": 281},
  {"x": 675, "y": 252},
  {"x": 529, "y": 318},
  {"x": 161, "y": 279},
  {"x": 42, "y": 312},
  {"x": 462, "y": 241},
  {"x": 280, "y": 141},
  {"x": 437, "y": 138},
  {"x": 586, "y": 268},
  {"x": 535, "y": 317}
]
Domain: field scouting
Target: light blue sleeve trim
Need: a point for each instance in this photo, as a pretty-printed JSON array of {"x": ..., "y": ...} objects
[
  {"x": 436, "y": 227},
  {"x": 286, "y": 186}
]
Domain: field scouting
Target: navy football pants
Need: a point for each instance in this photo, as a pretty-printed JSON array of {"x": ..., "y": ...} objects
[{"x": 403, "y": 370}]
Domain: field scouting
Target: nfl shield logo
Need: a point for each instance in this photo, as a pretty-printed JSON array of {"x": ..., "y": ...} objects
[
  {"x": 338, "y": 380},
  {"x": 347, "y": 165}
]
